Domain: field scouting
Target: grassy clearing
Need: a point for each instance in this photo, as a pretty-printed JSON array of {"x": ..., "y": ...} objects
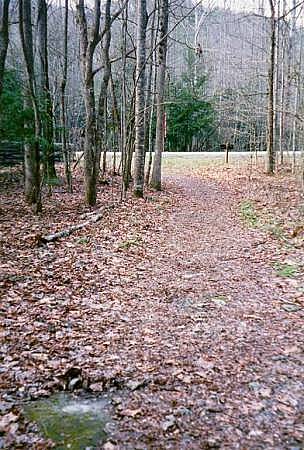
[
  {"x": 179, "y": 162},
  {"x": 193, "y": 160}
]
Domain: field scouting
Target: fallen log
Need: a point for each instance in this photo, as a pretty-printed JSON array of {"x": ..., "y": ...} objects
[{"x": 42, "y": 240}]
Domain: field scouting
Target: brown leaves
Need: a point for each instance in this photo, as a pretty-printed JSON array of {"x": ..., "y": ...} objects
[
  {"x": 130, "y": 412},
  {"x": 172, "y": 307},
  {"x": 8, "y": 423}
]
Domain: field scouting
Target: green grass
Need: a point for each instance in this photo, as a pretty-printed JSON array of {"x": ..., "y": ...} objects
[
  {"x": 83, "y": 240},
  {"x": 248, "y": 213},
  {"x": 128, "y": 243},
  {"x": 286, "y": 270}
]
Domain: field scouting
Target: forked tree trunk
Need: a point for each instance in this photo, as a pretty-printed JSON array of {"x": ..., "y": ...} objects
[
  {"x": 161, "y": 76},
  {"x": 89, "y": 39},
  {"x": 4, "y": 15},
  {"x": 140, "y": 80},
  {"x": 45, "y": 100}
]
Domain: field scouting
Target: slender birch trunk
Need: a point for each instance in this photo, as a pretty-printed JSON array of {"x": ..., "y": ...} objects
[
  {"x": 296, "y": 88},
  {"x": 282, "y": 105},
  {"x": 140, "y": 80},
  {"x": 150, "y": 98},
  {"x": 65, "y": 147},
  {"x": 270, "y": 162},
  {"x": 150, "y": 131},
  {"x": 161, "y": 76},
  {"x": 116, "y": 120},
  {"x": 123, "y": 111},
  {"x": 102, "y": 101}
]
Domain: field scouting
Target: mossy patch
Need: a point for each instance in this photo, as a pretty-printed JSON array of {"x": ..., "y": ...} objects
[
  {"x": 128, "y": 243},
  {"x": 70, "y": 422},
  {"x": 286, "y": 270},
  {"x": 83, "y": 240},
  {"x": 248, "y": 213}
]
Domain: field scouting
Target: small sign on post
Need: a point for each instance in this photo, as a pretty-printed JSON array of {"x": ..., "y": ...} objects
[{"x": 227, "y": 147}]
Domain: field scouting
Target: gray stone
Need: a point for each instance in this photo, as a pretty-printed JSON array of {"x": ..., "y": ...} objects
[{"x": 291, "y": 307}]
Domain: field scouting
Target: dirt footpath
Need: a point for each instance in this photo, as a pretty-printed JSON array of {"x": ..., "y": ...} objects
[{"x": 174, "y": 306}]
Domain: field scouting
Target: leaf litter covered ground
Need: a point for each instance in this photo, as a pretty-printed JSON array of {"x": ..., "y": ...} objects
[{"x": 187, "y": 307}]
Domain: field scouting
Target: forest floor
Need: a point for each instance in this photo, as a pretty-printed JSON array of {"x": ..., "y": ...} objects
[{"x": 185, "y": 307}]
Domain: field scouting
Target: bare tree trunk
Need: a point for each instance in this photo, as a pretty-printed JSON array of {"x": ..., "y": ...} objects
[
  {"x": 282, "y": 113},
  {"x": 282, "y": 125},
  {"x": 123, "y": 115},
  {"x": 4, "y": 15},
  {"x": 150, "y": 98},
  {"x": 116, "y": 120},
  {"x": 160, "y": 129},
  {"x": 297, "y": 81},
  {"x": 139, "y": 162},
  {"x": 294, "y": 128},
  {"x": 150, "y": 131},
  {"x": 104, "y": 141},
  {"x": 31, "y": 164},
  {"x": 127, "y": 123},
  {"x": 288, "y": 87},
  {"x": 32, "y": 154},
  {"x": 65, "y": 149},
  {"x": 102, "y": 101},
  {"x": 88, "y": 43},
  {"x": 45, "y": 99},
  {"x": 270, "y": 162},
  {"x": 276, "y": 117}
]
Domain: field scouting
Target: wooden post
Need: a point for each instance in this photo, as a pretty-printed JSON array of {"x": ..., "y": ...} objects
[{"x": 227, "y": 153}]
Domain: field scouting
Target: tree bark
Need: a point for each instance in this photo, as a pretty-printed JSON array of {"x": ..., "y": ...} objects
[
  {"x": 139, "y": 161},
  {"x": 65, "y": 148},
  {"x": 123, "y": 115},
  {"x": 88, "y": 44},
  {"x": 150, "y": 98},
  {"x": 102, "y": 101},
  {"x": 41, "y": 240},
  {"x": 161, "y": 76},
  {"x": 32, "y": 154},
  {"x": 270, "y": 162},
  {"x": 116, "y": 121},
  {"x": 4, "y": 37},
  {"x": 45, "y": 99},
  {"x": 150, "y": 130}
]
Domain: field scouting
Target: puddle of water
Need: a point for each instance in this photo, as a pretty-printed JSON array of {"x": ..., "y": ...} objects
[{"x": 73, "y": 423}]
